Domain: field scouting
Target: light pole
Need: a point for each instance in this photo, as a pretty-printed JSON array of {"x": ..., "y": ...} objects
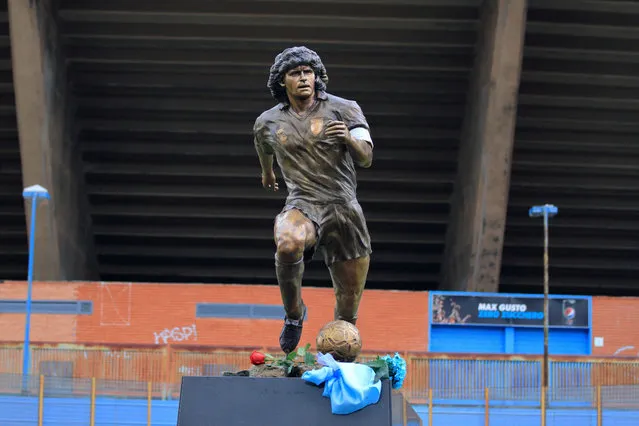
[
  {"x": 34, "y": 193},
  {"x": 545, "y": 211}
]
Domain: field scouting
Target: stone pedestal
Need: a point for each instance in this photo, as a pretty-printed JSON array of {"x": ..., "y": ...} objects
[{"x": 209, "y": 401}]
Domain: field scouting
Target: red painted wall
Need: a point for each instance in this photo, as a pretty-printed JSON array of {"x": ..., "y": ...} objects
[
  {"x": 142, "y": 313},
  {"x": 616, "y": 319},
  {"x": 165, "y": 313}
]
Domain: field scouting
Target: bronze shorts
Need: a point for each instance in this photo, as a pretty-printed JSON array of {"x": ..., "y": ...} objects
[{"x": 342, "y": 233}]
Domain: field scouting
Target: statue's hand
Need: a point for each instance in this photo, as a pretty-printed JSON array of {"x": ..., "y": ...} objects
[
  {"x": 269, "y": 182},
  {"x": 338, "y": 131}
]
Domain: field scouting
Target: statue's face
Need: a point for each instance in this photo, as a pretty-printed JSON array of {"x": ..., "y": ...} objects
[{"x": 300, "y": 82}]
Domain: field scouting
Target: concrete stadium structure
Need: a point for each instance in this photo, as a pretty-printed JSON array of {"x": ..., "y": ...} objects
[{"x": 137, "y": 117}]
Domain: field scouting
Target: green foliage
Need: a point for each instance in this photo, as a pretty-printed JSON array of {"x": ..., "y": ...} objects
[
  {"x": 380, "y": 367},
  {"x": 298, "y": 356},
  {"x": 309, "y": 358}
]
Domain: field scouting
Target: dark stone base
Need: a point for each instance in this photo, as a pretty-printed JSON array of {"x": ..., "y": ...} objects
[{"x": 229, "y": 401}]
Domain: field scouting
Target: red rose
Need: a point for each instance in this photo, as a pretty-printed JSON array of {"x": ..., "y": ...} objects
[{"x": 257, "y": 358}]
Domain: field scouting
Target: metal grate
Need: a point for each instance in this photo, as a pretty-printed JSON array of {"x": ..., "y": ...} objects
[
  {"x": 56, "y": 307},
  {"x": 239, "y": 310}
]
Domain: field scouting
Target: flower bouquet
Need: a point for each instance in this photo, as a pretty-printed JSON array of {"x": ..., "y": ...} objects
[
  {"x": 296, "y": 363},
  {"x": 391, "y": 368},
  {"x": 292, "y": 365}
]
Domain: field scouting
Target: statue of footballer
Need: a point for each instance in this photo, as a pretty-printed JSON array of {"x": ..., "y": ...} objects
[{"x": 317, "y": 139}]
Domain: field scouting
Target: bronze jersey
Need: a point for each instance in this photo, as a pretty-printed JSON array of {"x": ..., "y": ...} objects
[{"x": 316, "y": 169}]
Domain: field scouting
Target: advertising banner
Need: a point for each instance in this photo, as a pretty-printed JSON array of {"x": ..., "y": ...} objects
[{"x": 508, "y": 311}]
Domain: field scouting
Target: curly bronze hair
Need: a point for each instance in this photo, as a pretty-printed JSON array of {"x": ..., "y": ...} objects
[{"x": 291, "y": 58}]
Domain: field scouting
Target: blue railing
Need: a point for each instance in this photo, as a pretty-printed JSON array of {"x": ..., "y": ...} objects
[{"x": 517, "y": 381}]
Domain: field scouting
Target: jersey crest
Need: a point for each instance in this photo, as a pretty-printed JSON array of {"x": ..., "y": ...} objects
[
  {"x": 317, "y": 125},
  {"x": 281, "y": 136}
]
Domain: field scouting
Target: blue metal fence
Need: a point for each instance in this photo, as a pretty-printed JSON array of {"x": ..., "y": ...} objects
[{"x": 517, "y": 381}]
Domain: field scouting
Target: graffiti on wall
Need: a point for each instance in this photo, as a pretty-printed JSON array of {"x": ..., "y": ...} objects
[
  {"x": 176, "y": 335},
  {"x": 114, "y": 304},
  {"x": 627, "y": 351}
]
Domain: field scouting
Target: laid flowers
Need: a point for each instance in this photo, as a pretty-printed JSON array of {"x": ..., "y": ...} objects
[
  {"x": 387, "y": 367},
  {"x": 396, "y": 369},
  {"x": 297, "y": 358}
]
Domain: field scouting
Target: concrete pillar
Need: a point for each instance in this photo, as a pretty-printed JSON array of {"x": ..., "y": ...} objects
[
  {"x": 475, "y": 235},
  {"x": 50, "y": 157}
]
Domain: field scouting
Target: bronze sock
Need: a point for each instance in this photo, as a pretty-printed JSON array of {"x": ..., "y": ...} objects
[
  {"x": 289, "y": 278},
  {"x": 349, "y": 280}
]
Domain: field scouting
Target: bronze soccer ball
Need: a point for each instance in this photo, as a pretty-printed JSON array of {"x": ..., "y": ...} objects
[{"x": 340, "y": 339}]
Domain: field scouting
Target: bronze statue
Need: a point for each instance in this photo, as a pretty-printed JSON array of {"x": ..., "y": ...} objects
[{"x": 317, "y": 139}]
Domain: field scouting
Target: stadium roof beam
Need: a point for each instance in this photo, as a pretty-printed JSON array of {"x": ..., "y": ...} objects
[
  {"x": 475, "y": 234},
  {"x": 64, "y": 239}
]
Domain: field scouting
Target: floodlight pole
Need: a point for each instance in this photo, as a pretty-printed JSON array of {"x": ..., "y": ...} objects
[
  {"x": 545, "y": 211},
  {"x": 33, "y": 193}
]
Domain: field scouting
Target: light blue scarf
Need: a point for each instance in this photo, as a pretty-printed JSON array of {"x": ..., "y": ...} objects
[{"x": 349, "y": 385}]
